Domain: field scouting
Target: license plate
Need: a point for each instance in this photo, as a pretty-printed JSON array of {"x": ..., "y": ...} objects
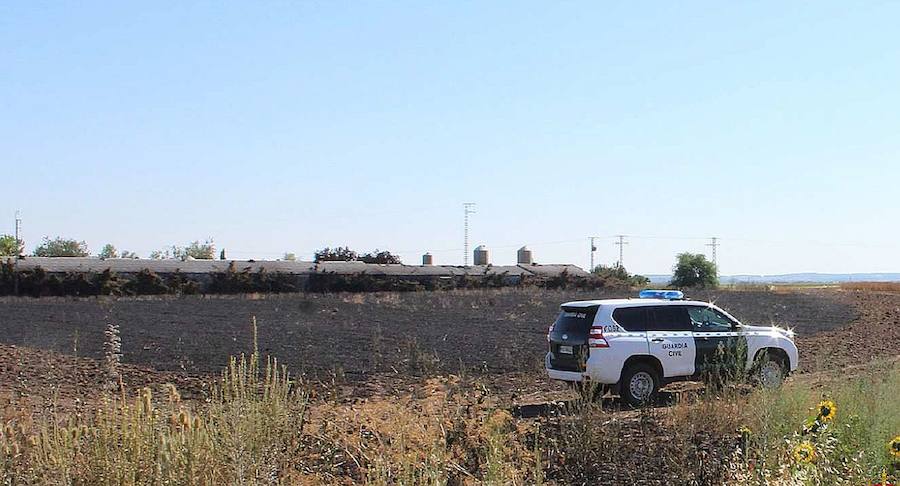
[{"x": 566, "y": 350}]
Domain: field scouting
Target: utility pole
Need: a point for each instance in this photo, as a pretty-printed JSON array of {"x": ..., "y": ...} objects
[
  {"x": 621, "y": 243},
  {"x": 593, "y": 249},
  {"x": 18, "y": 255},
  {"x": 18, "y": 232},
  {"x": 714, "y": 244},
  {"x": 468, "y": 208}
]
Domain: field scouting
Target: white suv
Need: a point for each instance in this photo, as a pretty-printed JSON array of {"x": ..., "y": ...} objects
[{"x": 643, "y": 344}]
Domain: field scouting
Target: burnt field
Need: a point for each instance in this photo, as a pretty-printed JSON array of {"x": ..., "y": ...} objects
[{"x": 356, "y": 335}]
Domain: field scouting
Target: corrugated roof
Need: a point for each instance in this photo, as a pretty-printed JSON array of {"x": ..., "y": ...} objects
[
  {"x": 127, "y": 265},
  {"x": 555, "y": 269},
  {"x": 124, "y": 265}
]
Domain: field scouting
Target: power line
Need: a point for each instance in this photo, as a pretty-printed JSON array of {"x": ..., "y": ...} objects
[{"x": 468, "y": 208}]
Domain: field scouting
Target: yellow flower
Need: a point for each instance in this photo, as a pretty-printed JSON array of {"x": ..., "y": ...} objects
[
  {"x": 827, "y": 410},
  {"x": 804, "y": 452},
  {"x": 894, "y": 447}
]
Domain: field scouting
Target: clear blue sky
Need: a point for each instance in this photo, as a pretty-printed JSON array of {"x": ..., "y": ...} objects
[{"x": 288, "y": 126}]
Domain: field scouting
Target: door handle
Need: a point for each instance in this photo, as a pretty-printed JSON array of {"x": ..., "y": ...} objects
[{"x": 656, "y": 340}]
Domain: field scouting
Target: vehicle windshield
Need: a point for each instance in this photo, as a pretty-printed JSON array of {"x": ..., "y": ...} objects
[
  {"x": 574, "y": 320},
  {"x": 710, "y": 320}
]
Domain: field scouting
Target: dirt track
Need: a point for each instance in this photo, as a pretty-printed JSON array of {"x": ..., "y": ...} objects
[{"x": 356, "y": 335}]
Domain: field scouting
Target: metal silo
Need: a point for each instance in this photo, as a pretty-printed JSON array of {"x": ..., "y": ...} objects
[
  {"x": 481, "y": 255},
  {"x": 427, "y": 259},
  {"x": 524, "y": 257}
]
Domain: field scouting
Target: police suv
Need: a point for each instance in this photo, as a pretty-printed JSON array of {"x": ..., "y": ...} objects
[{"x": 642, "y": 344}]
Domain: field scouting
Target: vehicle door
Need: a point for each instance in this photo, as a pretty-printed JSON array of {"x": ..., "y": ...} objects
[
  {"x": 721, "y": 349},
  {"x": 633, "y": 341},
  {"x": 569, "y": 338},
  {"x": 670, "y": 339}
]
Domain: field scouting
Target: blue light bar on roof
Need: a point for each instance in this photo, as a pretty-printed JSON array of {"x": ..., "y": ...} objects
[{"x": 662, "y": 294}]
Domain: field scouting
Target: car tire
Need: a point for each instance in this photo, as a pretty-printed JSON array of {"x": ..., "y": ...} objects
[
  {"x": 639, "y": 385},
  {"x": 770, "y": 372}
]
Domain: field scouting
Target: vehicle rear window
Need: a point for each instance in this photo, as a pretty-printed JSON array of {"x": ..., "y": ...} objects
[
  {"x": 669, "y": 318},
  {"x": 631, "y": 318},
  {"x": 575, "y": 320}
]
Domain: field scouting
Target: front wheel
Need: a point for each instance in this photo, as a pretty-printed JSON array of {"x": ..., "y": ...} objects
[
  {"x": 639, "y": 385},
  {"x": 770, "y": 372}
]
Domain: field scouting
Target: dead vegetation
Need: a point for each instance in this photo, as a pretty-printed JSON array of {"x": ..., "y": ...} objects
[{"x": 871, "y": 286}]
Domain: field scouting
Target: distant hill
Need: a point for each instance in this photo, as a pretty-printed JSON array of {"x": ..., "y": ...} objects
[{"x": 796, "y": 278}]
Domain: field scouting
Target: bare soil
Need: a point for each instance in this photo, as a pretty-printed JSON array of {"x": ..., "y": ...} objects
[{"x": 353, "y": 336}]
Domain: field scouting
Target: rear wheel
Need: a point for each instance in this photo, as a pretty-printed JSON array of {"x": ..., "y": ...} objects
[{"x": 639, "y": 385}]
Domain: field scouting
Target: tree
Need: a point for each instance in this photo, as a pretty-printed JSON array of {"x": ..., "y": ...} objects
[
  {"x": 694, "y": 270},
  {"x": 289, "y": 257},
  {"x": 164, "y": 254},
  {"x": 380, "y": 257},
  {"x": 197, "y": 251},
  {"x": 128, "y": 254},
  {"x": 338, "y": 254},
  {"x": 108, "y": 251},
  {"x": 9, "y": 246},
  {"x": 61, "y": 247},
  {"x": 618, "y": 272}
]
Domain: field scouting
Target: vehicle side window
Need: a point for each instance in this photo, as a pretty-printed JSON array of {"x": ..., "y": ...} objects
[
  {"x": 669, "y": 318},
  {"x": 631, "y": 318},
  {"x": 707, "y": 319}
]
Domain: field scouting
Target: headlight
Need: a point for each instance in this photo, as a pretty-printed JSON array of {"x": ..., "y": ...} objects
[{"x": 788, "y": 333}]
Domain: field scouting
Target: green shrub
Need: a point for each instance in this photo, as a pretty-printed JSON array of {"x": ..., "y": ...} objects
[
  {"x": 847, "y": 445},
  {"x": 61, "y": 247},
  {"x": 617, "y": 276},
  {"x": 694, "y": 270}
]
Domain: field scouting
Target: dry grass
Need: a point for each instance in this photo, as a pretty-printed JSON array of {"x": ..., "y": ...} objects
[
  {"x": 244, "y": 435},
  {"x": 871, "y": 286},
  {"x": 449, "y": 432},
  {"x": 260, "y": 428}
]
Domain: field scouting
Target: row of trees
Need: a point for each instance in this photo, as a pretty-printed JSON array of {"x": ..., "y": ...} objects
[
  {"x": 65, "y": 247},
  {"x": 196, "y": 250},
  {"x": 691, "y": 270},
  {"x": 9, "y": 246},
  {"x": 345, "y": 254}
]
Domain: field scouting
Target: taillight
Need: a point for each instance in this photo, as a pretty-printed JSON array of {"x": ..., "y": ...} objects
[{"x": 596, "y": 339}]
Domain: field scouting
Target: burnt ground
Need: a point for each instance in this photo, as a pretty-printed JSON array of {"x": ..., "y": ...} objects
[
  {"x": 873, "y": 334},
  {"x": 352, "y": 336},
  {"x": 374, "y": 348}
]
